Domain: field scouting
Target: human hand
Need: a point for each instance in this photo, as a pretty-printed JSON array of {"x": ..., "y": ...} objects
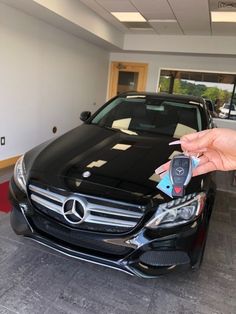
[{"x": 216, "y": 147}]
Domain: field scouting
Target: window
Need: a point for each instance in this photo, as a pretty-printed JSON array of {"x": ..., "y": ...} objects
[
  {"x": 216, "y": 88},
  {"x": 151, "y": 116}
]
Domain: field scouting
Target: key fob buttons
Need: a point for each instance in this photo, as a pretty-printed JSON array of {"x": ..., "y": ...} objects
[{"x": 180, "y": 174}]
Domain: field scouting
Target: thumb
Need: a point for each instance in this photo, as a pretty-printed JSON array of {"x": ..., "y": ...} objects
[{"x": 199, "y": 141}]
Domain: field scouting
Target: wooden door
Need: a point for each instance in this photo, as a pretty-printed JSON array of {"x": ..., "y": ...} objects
[{"x": 126, "y": 76}]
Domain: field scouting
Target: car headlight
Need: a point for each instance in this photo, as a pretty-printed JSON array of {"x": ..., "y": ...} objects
[
  {"x": 179, "y": 211},
  {"x": 19, "y": 174}
]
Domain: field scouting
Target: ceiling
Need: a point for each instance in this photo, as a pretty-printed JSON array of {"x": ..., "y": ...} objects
[
  {"x": 168, "y": 17},
  {"x": 174, "y": 26}
]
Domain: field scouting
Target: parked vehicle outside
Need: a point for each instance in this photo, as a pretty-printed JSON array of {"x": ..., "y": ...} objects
[
  {"x": 91, "y": 193},
  {"x": 224, "y": 111}
]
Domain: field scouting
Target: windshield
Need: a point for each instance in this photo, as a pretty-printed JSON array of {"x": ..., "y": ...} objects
[{"x": 134, "y": 114}]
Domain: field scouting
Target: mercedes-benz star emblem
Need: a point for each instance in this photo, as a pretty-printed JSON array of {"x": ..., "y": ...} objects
[
  {"x": 179, "y": 171},
  {"x": 73, "y": 210},
  {"x": 86, "y": 174}
]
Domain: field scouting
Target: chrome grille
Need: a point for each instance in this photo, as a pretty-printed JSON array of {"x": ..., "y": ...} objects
[{"x": 97, "y": 210}]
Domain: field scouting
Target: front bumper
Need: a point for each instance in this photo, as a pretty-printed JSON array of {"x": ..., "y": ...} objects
[{"x": 142, "y": 252}]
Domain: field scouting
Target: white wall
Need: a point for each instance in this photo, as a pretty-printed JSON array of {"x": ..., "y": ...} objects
[
  {"x": 47, "y": 78},
  {"x": 80, "y": 15},
  {"x": 214, "y": 45},
  {"x": 156, "y": 62}
]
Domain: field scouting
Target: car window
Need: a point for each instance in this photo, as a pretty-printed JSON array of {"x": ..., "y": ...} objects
[{"x": 150, "y": 115}]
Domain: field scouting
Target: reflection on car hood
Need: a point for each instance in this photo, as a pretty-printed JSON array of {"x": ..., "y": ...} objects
[{"x": 122, "y": 166}]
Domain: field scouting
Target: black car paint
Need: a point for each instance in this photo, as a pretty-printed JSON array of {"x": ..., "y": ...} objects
[
  {"x": 122, "y": 175},
  {"x": 60, "y": 164}
]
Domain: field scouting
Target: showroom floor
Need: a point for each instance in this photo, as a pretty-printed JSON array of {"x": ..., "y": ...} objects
[{"x": 34, "y": 279}]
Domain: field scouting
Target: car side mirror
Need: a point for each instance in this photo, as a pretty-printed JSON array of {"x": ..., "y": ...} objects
[{"x": 85, "y": 115}]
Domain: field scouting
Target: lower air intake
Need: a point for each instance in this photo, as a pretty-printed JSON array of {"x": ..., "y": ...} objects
[{"x": 164, "y": 258}]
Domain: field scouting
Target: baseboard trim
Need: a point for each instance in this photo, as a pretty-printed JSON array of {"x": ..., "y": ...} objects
[{"x": 8, "y": 162}]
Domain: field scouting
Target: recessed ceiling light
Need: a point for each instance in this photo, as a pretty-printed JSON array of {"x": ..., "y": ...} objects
[
  {"x": 223, "y": 17},
  {"x": 129, "y": 16}
]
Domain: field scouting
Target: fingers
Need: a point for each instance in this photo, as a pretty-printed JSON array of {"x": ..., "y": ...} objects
[
  {"x": 163, "y": 168},
  {"x": 194, "y": 136},
  {"x": 163, "y": 174},
  {"x": 204, "y": 168},
  {"x": 175, "y": 143},
  {"x": 197, "y": 142},
  {"x": 203, "y": 159}
]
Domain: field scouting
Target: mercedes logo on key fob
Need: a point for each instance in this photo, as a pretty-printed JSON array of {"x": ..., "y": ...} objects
[{"x": 180, "y": 174}]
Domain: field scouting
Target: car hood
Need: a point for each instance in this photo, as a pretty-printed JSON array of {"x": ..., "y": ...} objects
[{"x": 121, "y": 166}]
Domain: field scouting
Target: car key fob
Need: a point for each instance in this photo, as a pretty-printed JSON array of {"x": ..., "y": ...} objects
[{"x": 180, "y": 174}]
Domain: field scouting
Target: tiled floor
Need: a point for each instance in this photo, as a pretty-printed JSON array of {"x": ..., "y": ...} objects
[{"x": 34, "y": 279}]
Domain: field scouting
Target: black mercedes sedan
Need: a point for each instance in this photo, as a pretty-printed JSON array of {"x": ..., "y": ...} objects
[{"x": 92, "y": 193}]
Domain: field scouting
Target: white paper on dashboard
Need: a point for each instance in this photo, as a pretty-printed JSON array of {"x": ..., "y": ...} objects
[
  {"x": 182, "y": 130},
  {"x": 121, "y": 124}
]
